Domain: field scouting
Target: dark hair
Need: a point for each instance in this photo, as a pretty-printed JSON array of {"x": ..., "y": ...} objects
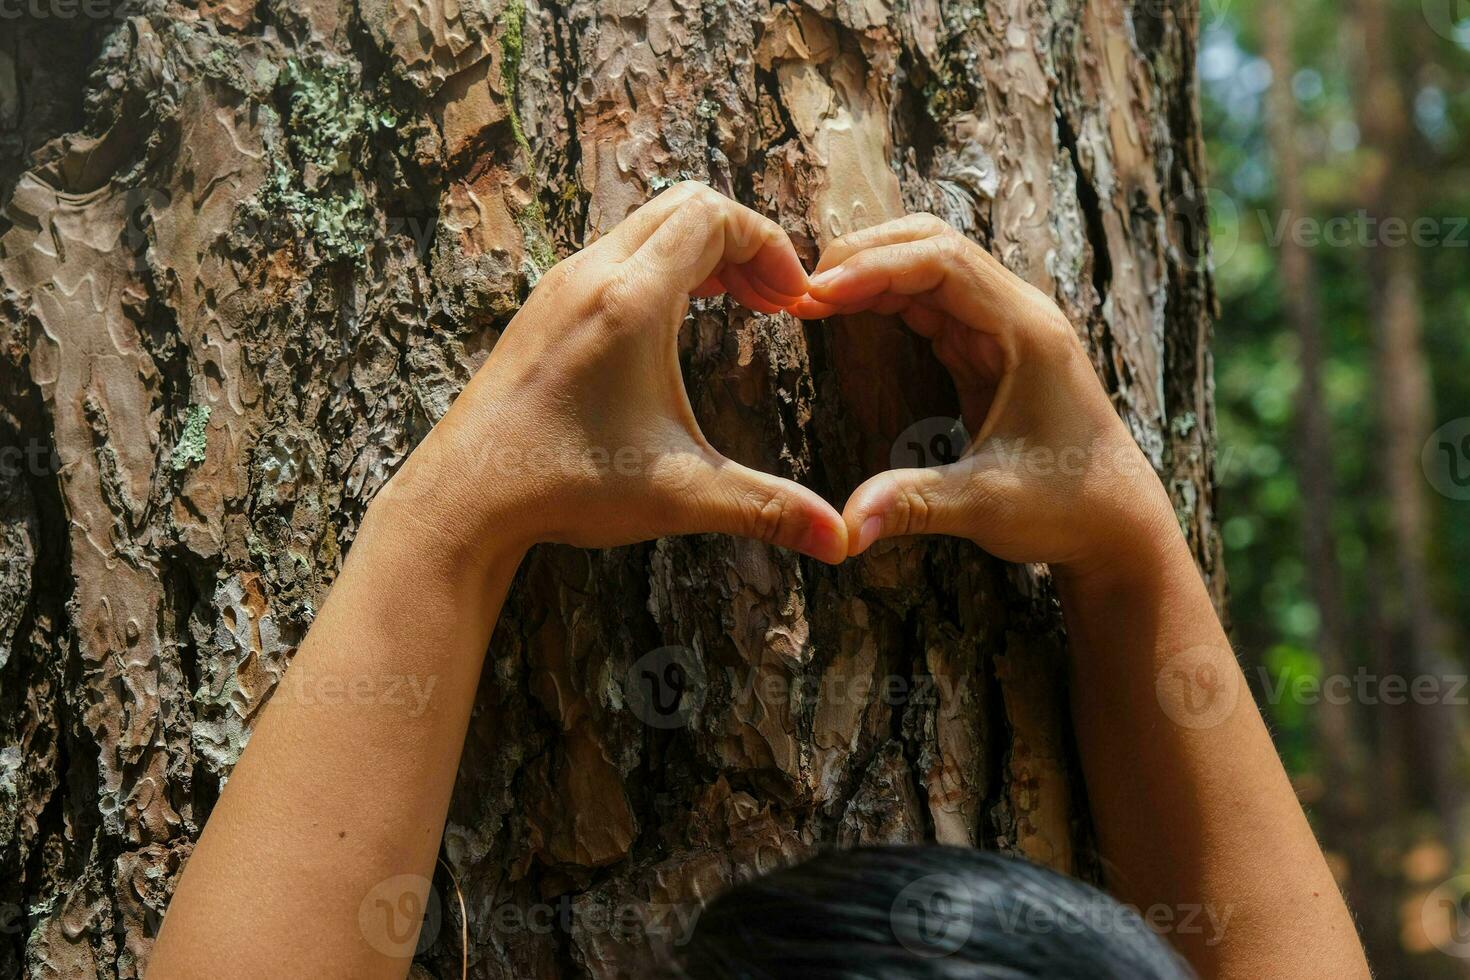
[{"x": 923, "y": 913}]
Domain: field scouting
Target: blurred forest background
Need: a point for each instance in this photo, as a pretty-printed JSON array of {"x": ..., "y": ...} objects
[{"x": 1339, "y": 137}]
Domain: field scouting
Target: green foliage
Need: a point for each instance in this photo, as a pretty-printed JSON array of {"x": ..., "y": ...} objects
[
  {"x": 1258, "y": 371},
  {"x": 1294, "y": 689}
]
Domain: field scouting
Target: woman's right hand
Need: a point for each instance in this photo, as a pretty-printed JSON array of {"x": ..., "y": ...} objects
[
  {"x": 1052, "y": 473},
  {"x": 578, "y": 430}
]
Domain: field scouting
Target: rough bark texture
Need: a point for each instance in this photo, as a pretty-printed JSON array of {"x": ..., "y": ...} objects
[{"x": 251, "y": 249}]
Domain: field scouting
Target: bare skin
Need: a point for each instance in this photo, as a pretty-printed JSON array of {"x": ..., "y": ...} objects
[
  {"x": 349, "y": 795},
  {"x": 1194, "y": 813},
  {"x": 577, "y": 430}
]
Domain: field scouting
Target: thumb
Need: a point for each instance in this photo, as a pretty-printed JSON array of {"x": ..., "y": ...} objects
[
  {"x": 937, "y": 500},
  {"x": 734, "y": 499}
]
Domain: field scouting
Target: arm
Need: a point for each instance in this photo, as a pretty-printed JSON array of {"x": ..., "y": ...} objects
[
  {"x": 1192, "y": 807},
  {"x": 316, "y": 860}
]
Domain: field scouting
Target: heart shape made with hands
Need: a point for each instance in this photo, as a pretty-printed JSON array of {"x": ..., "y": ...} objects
[
  {"x": 910, "y": 268},
  {"x": 1052, "y": 473},
  {"x": 589, "y": 368}
]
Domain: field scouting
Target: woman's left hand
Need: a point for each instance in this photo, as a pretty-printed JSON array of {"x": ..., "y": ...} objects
[{"x": 578, "y": 429}]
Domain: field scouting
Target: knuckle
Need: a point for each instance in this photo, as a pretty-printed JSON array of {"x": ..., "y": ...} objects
[
  {"x": 694, "y": 194},
  {"x": 618, "y": 296},
  {"x": 680, "y": 191},
  {"x": 941, "y": 252},
  {"x": 767, "y": 518},
  {"x": 702, "y": 204},
  {"x": 1051, "y": 332},
  {"x": 562, "y": 274},
  {"x": 931, "y": 223},
  {"x": 911, "y": 510},
  {"x": 949, "y": 244}
]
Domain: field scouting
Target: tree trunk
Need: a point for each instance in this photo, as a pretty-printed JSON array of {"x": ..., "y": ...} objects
[
  {"x": 1405, "y": 412},
  {"x": 1346, "y": 816},
  {"x": 245, "y": 280}
]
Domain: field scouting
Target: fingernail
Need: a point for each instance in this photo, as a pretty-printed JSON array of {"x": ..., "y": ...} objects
[
  {"x": 869, "y": 532},
  {"x": 826, "y": 278},
  {"x": 820, "y": 542}
]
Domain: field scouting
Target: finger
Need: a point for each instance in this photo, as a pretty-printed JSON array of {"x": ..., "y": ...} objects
[
  {"x": 761, "y": 287},
  {"x": 775, "y": 264},
  {"x": 890, "y": 304},
  {"x": 700, "y": 232},
  {"x": 955, "y": 276},
  {"x": 734, "y": 499},
  {"x": 910, "y": 227},
  {"x": 926, "y": 320},
  {"x": 810, "y": 309},
  {"x": 807, "y": 308},
  {"x": 643, "y": 221},
  {"x": 710, "y": 287},
  {"x": 744, "y": 291},
  {"x": 904, "y": 268},
  {"x": 898, "y": 503}
]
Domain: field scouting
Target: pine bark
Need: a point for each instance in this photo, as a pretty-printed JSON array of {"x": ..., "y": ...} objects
[{"x": 250, "y": 250}]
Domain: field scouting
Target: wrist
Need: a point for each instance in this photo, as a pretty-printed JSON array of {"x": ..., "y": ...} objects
[
  {"x": 1141, "y": 545},
  {"x": 1150, "y": 553},
  {"x": 427, "y": 511}
]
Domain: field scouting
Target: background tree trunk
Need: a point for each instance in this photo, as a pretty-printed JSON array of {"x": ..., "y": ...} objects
[
  {"x": 1347, "y": 814},
  {"x": 1421, "y": 636},
  {"x": 251, "y": 249}
]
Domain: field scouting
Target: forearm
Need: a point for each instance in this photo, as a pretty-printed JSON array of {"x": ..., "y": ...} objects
[
  {"x": 577, "y": 430},
  {"x": 348, "y": 774},
  {"x": 1194, "y": 813}
]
